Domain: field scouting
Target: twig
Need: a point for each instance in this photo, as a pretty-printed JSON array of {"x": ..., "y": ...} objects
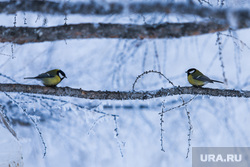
[
  {"x": 117, "y": 136},
  {"x": 207, "y": 2},
  {"x": 161, "y": 114},
  {"x": 32, "y": 120},
  {"x": 95, "y": 122},
  {"x": 8, "y": 77},
  {"x": 147, "y": 72},
  {"x": 241, "y": 42},
  {"x": 161, "y": 124},
  {"x": 189, "y": 130},
  {"x": 181, "y": 105},
  {"x": 218, "y": 41}
]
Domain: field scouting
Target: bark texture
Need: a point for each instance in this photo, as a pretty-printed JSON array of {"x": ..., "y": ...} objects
[
  {"x": 104, "y": 8},
  {"x": 121, "y": 95},
  {"x": 221, "y": 19},
  {"x": 21, "y": 35}
]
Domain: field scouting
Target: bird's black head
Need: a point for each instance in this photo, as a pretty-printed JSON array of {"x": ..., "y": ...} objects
[
  {"x": 190, "y": 71},
  {"x": 61, "y": 74}
]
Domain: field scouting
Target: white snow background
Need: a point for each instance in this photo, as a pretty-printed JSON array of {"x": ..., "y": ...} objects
[{"x": 75, "y": 134}]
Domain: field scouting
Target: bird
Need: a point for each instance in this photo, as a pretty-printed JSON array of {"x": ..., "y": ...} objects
[
  {"x": 50, "y": 78},
  {"x": 197, "y": 79}
]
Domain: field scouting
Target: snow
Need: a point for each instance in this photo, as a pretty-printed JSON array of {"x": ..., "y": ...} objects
[
  {"x": 11, "y": 151},
  {"x": 80, "y": 132}
]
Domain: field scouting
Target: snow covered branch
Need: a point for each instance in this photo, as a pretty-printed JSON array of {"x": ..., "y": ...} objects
[
  {"x": 60, "y": 8},
  {"x": 123, "y": 95},
  {"x": 21, "y": 35},
  {"x": 103, "y": 8},
  {"x": 222, "y": 19}
]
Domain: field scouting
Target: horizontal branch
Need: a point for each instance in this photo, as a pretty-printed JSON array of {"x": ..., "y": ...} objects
[
  {"x": 103, "y": 8},
  {"x": 60, "y": 8},
  {"x": 21, "y": 35},
  {"x": 112, "y": 95},
  {"x": 236, "y": 19}
]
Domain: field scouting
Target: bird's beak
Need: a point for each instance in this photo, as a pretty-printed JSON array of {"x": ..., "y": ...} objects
[{"x": 186, "y": 71}]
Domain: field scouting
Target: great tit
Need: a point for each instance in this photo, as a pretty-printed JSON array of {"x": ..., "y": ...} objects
[
  {"x": 197, "y": 79},
  {"x": 50, "y": 78}
]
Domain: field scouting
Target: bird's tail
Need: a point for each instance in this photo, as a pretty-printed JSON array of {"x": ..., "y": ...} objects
[
  {"x": 30, "y": 78},
  {"x": 217, "y": 81}
]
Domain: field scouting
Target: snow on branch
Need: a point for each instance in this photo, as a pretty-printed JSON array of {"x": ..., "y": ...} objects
[
  {"x": 21, "y": 35},
  {"x": 104, "y": 8},
  {"x": 121, "y": 95},
  {"x": 60, "y": 8}
]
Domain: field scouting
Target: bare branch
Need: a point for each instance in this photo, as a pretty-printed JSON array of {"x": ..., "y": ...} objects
[
  {"x": 97, "y": 8},
  {"x": 123, "y": 95},
  {"x": 60, "y": 8},
  {"x": 21, "y": 35}
]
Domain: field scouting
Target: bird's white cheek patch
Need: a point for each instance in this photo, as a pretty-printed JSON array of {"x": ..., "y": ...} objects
[
  {"x": 192, "y": 71},
  {"x": 60, "y": 75}
]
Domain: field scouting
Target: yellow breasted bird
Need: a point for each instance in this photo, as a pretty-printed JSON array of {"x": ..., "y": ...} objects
[
  {"x": 197, "y": 79},
  {"x": 50, "y": 78}
]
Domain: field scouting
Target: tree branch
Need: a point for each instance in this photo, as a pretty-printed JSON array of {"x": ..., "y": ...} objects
[
  {"x": 60, "y": 8},
  {"x": 123, "y": 95},
  {"x": 100, "y": 8},
  {"x": 21, "y": 35},
  {"x": 222, "y": 20}
]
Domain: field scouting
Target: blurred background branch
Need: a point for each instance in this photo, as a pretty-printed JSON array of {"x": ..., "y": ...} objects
[
  {"x": 21, "y": 35},
  {"x": 219, "y": 20},
  {"x": 104, "y": 8},
  {"x": 123, "y": 95}
]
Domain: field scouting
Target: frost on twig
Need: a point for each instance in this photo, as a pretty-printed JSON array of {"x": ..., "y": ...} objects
[
  {"x": 189, "y": 131},
  {"x": 119, "y": 143},
  {"x": 163, "y": 108},
  {"x": 147, "y": 72},
  {"x": 33, "y": 121},
  {"x": 161, "y": 124},
  {"x": 218, "y": 41}
]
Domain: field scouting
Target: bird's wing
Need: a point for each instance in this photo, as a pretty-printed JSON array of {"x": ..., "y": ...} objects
[
  {"x": 44, "y": 75},
  {"x": 202, "y": 78}
]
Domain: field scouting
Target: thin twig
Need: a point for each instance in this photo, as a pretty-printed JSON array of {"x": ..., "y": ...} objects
[
  {"x": 161, "y": 124},
  {"x": 241, "y": 42},
  {"x": 218, "y": 41},
  {"x": 181, "y": 105},
  {"x": 147, "y": 72},
  {"x": 117, "y": 136},
  {"x": 189, "y": 131},
  {"x": 32, "y": 120}
]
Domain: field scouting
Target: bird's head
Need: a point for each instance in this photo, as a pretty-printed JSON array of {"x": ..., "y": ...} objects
[
  {"x": 191, "y": 71},
  {"x": 61, "y": 74}
]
